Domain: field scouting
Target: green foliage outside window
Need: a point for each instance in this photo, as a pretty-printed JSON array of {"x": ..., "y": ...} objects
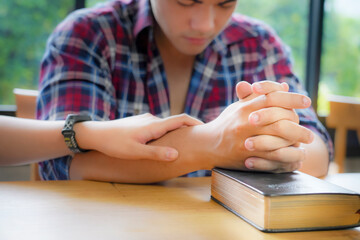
[
  {"x": 340, "y": 69},
  {"x": 24, "y": 28},
  {"x": 90, "y": 3}
]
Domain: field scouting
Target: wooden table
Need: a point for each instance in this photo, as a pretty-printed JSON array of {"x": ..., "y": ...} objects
[{"x": 177, "y": 209}]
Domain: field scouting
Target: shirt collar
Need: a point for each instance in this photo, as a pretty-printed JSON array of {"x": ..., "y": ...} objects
[{"x": 144, "y": 17}]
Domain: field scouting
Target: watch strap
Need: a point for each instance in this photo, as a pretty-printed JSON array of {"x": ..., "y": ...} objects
[{"x": 69, "y": 133}]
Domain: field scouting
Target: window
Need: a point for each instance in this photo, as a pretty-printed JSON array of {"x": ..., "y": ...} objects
[
  {"x": 24, "y": 29},
  {"x": 340, "y": 62}
]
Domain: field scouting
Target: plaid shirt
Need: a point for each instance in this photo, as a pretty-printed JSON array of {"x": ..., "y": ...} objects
[{"x": 104, "y": 62}]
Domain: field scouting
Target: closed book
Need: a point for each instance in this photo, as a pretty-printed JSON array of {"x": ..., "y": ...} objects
[{"x": 285, "y": 202}]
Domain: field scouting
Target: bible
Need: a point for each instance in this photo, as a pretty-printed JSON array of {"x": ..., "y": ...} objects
[{"x": 285, "y": 202}]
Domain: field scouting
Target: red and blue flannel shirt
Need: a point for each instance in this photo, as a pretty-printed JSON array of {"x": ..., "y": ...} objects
[{"x": 103, "y": 61}]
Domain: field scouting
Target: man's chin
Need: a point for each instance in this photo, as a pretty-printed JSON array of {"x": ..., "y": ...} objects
[{"x": 192, "y": 50}]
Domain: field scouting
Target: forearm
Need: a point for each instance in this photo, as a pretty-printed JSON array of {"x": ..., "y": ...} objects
[
  {"x": 191, "y": 142},
  {"x": 25, "y": 141},
  {"x": 317, "y": 158}
]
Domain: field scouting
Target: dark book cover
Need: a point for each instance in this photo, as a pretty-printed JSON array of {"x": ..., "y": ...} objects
[
  {"x": 284, "y": 184},
  {"x": 280, "y": 184}
]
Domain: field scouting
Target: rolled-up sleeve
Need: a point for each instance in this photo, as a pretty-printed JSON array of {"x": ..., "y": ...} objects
[{"x": 74, "y": 78}]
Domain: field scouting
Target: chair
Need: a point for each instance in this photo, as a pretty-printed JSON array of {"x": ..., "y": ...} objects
[
  {"x": 25, "y": 108},
  {"x": 344, "y": 115}
]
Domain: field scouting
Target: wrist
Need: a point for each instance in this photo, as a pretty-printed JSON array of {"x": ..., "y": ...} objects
[
  {"x": 192, "y": 143},
  {"x": 84, "y": 135},
  {"x": 206, "y": 151}
]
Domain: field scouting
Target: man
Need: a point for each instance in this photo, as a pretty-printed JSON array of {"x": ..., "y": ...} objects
[{"x": 171, "y": 56}]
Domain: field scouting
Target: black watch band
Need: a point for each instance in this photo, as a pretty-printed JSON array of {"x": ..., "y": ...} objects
[{"x": 69, "y": 133}]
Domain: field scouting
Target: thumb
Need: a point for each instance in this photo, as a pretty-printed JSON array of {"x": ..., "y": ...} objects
[
  {"x": 157, "y": 153},
  {"x": 243, "y": 89},
  {"x": 285, "y": 86}
]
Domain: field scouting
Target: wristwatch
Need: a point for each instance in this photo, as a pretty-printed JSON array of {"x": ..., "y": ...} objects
[{"x": 69, "y": 133}]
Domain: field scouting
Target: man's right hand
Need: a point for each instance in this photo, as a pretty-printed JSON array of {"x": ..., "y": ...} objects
[{"x": 261, "y": 131}]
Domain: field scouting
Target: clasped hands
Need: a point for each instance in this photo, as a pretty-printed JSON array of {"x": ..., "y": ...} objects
[{"x": 261, "y": 131}]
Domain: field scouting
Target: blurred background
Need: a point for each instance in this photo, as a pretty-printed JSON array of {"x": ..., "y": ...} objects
[{"x": 323, "y": 35}]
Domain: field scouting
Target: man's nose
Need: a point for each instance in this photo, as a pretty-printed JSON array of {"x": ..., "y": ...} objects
[{"x": 203, "y": 20}]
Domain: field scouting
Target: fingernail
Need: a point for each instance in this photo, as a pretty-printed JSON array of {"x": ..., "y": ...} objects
[
  {"x": 249, "y": 164},
  {"x": 306, "y": 101},
  {"x": 284, "y": 86},
  {"x": 254, "y": 118},
  {"x": 171, "y": 154},
  {"x": 249, "y": 145}
]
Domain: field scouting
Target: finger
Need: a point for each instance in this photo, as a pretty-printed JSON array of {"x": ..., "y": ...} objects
[
  {"x": 264, "y": 143},
  {"x": 266, "y": 87},
  {"x": 269, "y": 87},
  {"x": 264, "y": 165},
  {"x": 279, "y": 99},
  {"x": 147, "y": 115},
  {"x": 165, "y": 125},
  {"x": 243, "y": 89},
  {"x": 288, "y": 130},
  {"x": 285, "y": 86},
  {"x": 180, "y": 120},
  {"x": 246, "y": 92},
  {"x": 156, "y": 153},
  {"x": 270, "y": 115},
  {"x": 285, "y": 155}
]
